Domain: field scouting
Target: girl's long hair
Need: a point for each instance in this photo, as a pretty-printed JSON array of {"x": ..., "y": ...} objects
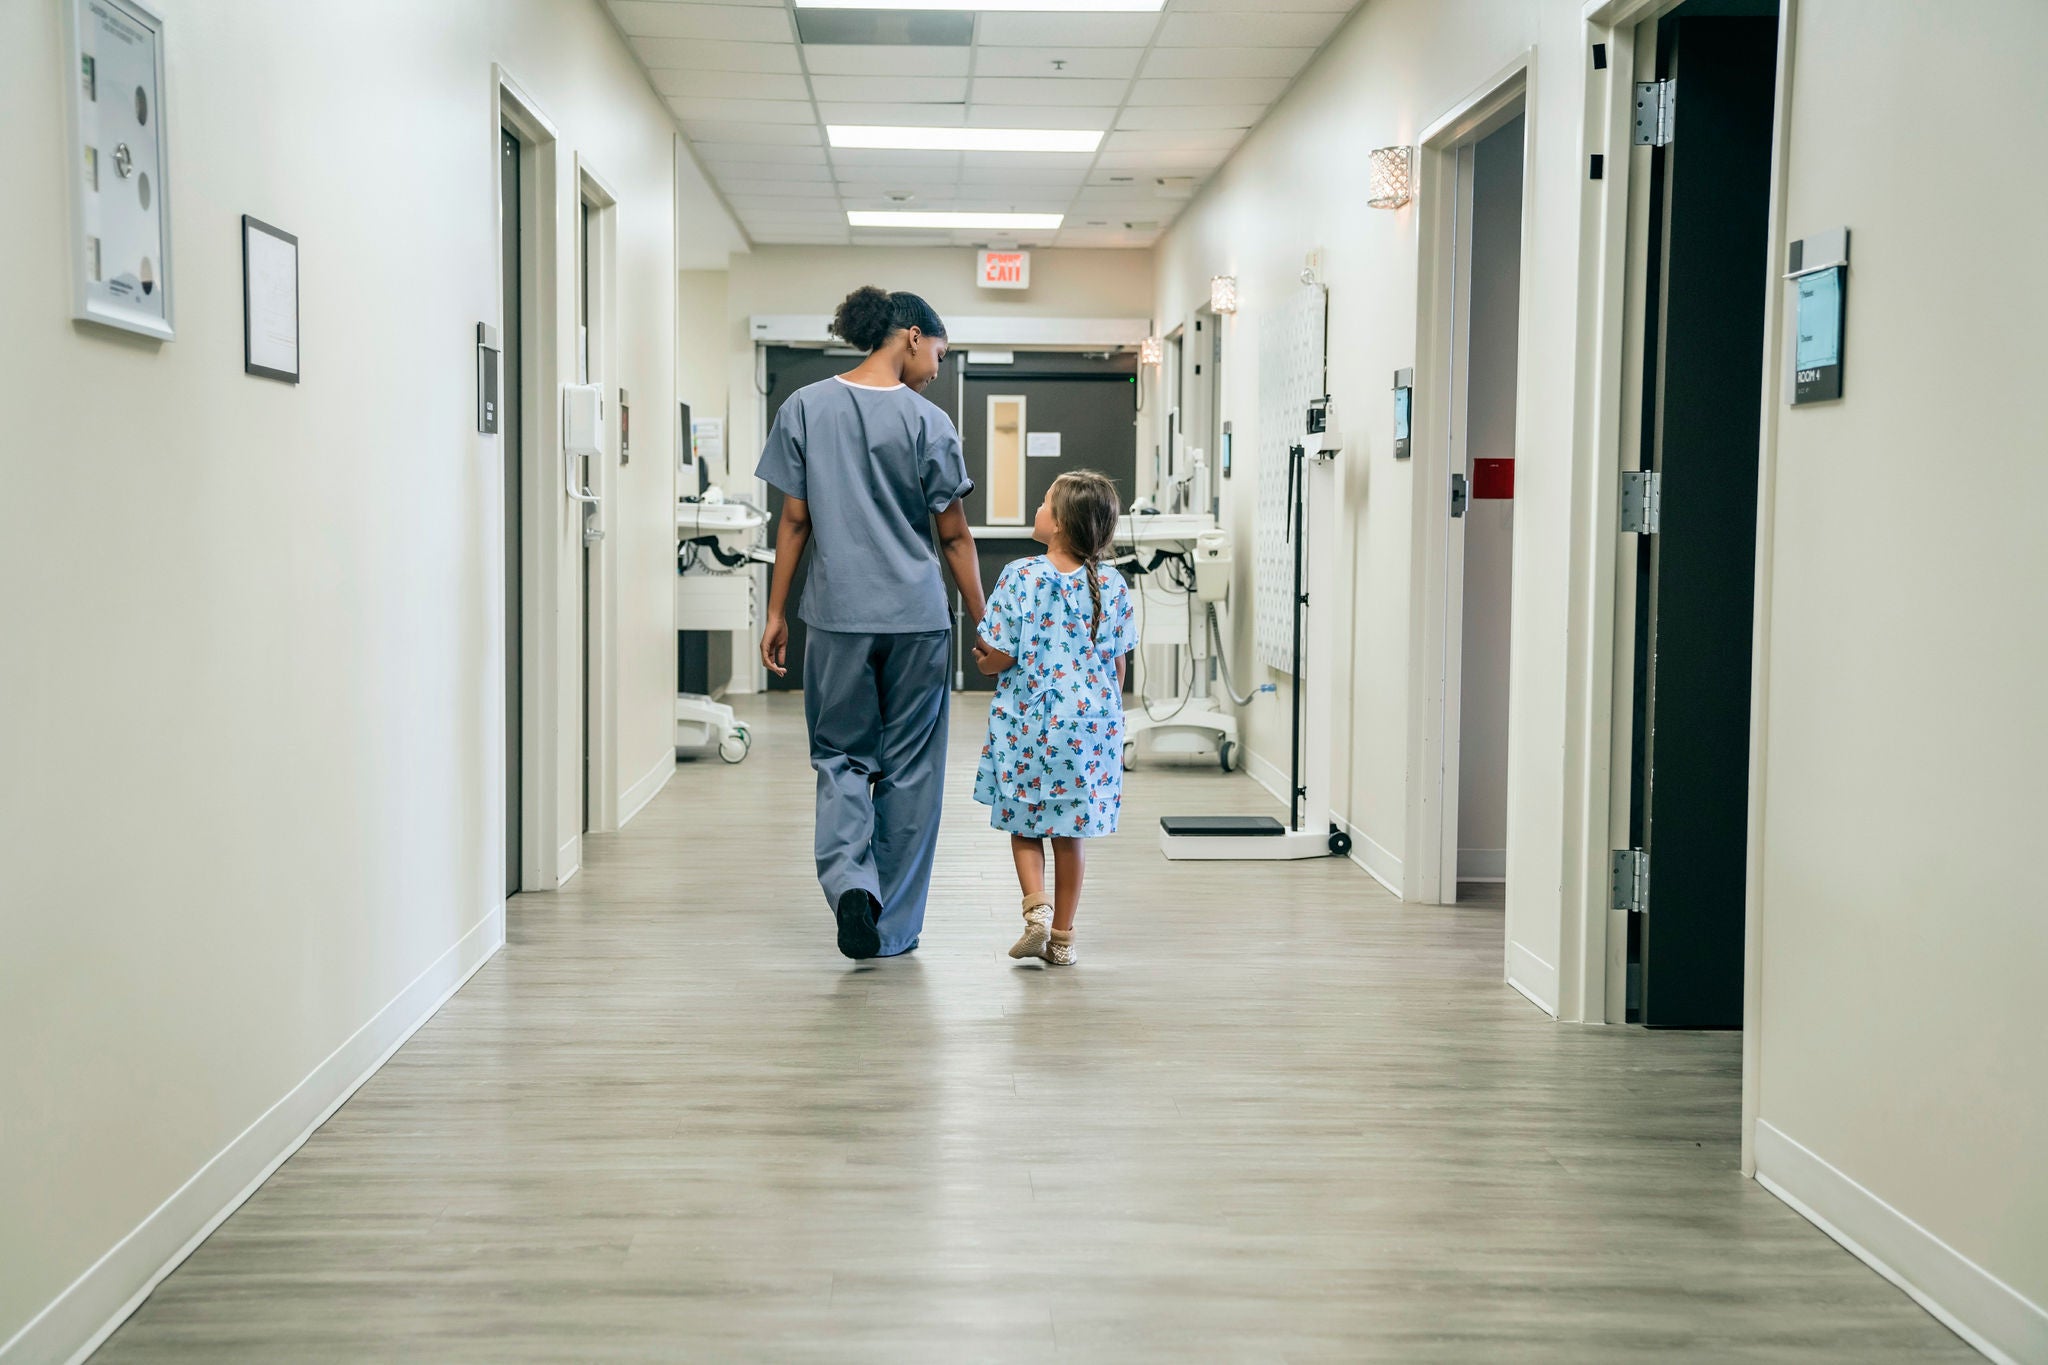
[{"x": 1085, "y": 509}]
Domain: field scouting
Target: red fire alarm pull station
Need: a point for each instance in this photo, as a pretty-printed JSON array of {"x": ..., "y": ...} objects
[{"x": 1493, "y": 478}]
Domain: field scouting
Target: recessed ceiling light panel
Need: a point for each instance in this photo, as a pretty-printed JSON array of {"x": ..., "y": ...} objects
[
  {"x": 992, "y": 221},
  {"x": 1010, "y": 6},
  {"x": 963, "y": 139}
]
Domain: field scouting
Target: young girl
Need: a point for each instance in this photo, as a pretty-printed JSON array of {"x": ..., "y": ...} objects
[{"x": 1055, "y": 636}]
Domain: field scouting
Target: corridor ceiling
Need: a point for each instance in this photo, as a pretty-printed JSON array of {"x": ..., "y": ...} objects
[{"x": 754, "y": 83}]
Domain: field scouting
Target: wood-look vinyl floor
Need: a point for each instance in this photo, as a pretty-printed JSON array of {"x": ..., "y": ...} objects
[{"x": 1274, "y": 1115}]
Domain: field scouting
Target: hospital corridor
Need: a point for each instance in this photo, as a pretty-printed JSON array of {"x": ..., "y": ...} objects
[{"x": 1022, "y": 680}]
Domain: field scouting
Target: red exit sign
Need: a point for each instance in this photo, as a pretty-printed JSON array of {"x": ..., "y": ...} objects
[{"x": 1004, "y": 270}]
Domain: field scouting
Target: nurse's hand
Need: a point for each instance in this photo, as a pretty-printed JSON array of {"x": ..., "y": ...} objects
[{"x": 775, "y": 646}]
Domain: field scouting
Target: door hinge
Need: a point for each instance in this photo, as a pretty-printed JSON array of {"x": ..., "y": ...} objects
[
  {"x": 1642, "y": 501},
  {"x": 1631, "y": 881},
  {"x": 1460, "y": 493},
  {"x": 1656, "y": 111}
]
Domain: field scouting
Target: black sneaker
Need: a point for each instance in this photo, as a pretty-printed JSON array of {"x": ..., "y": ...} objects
[{"x": 857, "y": 914}]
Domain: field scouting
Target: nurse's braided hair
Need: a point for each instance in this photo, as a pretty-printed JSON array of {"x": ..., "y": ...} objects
[{"x": 1085, "y": 508}]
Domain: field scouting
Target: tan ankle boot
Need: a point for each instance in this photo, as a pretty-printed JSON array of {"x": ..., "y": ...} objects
[
  {"x": 1059, "y": 950},
  {"x": 1037, "y": 927}
]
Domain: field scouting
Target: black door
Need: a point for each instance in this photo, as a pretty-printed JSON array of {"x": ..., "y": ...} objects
[
  {"x": 510, "y": 413},
  {"x": 1705, "y": 340},
  {"x": 1089, "y": 402}
]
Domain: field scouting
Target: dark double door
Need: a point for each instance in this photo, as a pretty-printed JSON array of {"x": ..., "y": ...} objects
[
  {"x": 1089, "y": 400},
  {"x": 1696, "y": 588}
]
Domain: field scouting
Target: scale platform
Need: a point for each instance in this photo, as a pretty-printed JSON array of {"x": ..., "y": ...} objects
[{"x": 1220, "y": 838}]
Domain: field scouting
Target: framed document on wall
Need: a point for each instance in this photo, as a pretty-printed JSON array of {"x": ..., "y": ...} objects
[
  {"x": 270, "y": 301},
  {"x": 121, "y": 273}
]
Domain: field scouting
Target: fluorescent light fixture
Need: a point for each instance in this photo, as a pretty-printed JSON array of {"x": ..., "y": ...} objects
[
  {"x": 878, "y": 219},
  {"x": 1012, "y": 6},
  {"x": 963, "y": 139}
]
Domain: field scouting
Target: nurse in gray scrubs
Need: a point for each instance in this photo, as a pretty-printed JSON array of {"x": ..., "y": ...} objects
[{"x": 872, "y": 477}]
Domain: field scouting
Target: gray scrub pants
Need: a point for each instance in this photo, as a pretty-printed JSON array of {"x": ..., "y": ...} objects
[{"x": 877, "y": 706}]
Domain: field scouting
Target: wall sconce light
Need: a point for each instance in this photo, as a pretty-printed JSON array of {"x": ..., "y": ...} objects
[
  {"x": 1392, "y": 177},
  {"x": 1223, "y": 293},
  {"x": 1149, "y": 351}
]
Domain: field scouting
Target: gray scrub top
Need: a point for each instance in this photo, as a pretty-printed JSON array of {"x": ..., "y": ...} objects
[{"x": 875, "y": 465}]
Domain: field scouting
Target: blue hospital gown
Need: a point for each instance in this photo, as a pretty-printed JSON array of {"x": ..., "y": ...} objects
[{"x": 1053, "y": 764}]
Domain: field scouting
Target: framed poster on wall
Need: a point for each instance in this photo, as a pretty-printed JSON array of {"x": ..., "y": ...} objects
[
  {"x": 270, "y": 301},
  {"x": 121, "y": 273}
]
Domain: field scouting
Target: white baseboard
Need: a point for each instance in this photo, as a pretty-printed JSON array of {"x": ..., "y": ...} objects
[
  {"x": 1972, "y": 1302},
  {"x": 1482, "y": 864},
  {"x": 568, "y": 860},
  {"x": 1379, "y": 864},
  {"x": 79, "y": 1320},
  {"x": 1533, "y": 977},
  {"x": 635, "y": 798}
]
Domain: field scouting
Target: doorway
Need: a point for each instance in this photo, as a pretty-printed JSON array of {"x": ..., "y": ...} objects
[
  {"x": 584, "y": 375},
  {"x": 1465, "y": 397},
  {"x": 1688, "y": 586},
  {"x": 1070, "y": 411},
  {"x": 511, "y": 437}
]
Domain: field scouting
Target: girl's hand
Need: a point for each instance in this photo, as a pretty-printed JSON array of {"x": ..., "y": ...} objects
[{"x": 991, "y": 660}]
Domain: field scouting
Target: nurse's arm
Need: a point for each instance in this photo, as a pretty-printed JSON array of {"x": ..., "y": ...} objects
[
  {"x": 792, "y": 534},
  {"x": 956, "y": 542}
]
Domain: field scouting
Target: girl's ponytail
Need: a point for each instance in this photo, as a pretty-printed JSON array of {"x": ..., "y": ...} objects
[{"x": 1085, "y": 508}]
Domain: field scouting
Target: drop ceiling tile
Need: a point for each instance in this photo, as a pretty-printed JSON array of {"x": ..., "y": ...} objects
[
  {"x": 1162, "y": 162},
  {"x": 1201, "y": 63},
  {"x": 861, "y": 89},
  {"x": 1047, "y": 90},
  {"x": 739, "y": 85},
  {"x": 744, "y": 196},
  {"x": 743, "y": 111},
  {"x": 1023, "y": 175},
  {"x": 689, "y": 54},
  {"x": 874, "y": 187},
  {"x": 729, "y": 23},
  {"x": 895, "y": 115},
  {"x": 1077, "y": 162},
  {"x": 1337, "y": 7},
  {"x": 1080, "y": 63},
  {"x": 1215, "y": 90},
  {"x": 1262, "y": 29},
  {"x": 1066, "y": 30},
  {"x": 778, "y": 134},
  {"x": 1170, "y": 140},
  {"x": 1094, "y": 118},
  {"x": 826, "y": 59},
  {"x": 1192, "y": 117},
  {"x": 838, "y": 237},
  {"x": 754, "y": 173},
  {"x": 721, "y": 155}
]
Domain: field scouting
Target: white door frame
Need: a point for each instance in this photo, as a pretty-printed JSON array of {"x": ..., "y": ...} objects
[
  {"x": 602, "y": 703},
  {"x": 541, "y": 510},
  {"x": 1437, "y": 540}
]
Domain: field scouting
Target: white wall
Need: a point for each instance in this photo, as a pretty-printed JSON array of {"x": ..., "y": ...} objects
[
  {"x": 1900, "y": 937},
  {"x": 251, "y": 811},
  {"x": 1496, "y": 277}
]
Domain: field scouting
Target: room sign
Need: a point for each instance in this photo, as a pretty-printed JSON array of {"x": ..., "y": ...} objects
[{"x": 1004, "y": 270}]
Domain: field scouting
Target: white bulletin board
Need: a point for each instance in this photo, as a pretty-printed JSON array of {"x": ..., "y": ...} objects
[{"x": 1290, "y": 377}]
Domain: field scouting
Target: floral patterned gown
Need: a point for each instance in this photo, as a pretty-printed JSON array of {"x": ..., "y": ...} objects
[{"x": 1053, "y": 764}]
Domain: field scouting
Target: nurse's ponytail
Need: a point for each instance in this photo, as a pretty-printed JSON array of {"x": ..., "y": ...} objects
[
  {"x": 869, "y": 316},
  {"x": 1085, "y": 509}
]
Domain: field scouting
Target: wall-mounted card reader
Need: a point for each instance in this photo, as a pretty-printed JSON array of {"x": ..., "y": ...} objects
[
  {"x": 1818, "y": 270},
  {"x": 487, "y": 379},
  {"x": 1404, "y": 409}
]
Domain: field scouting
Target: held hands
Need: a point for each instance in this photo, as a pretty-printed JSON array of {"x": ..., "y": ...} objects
[
  {"x": 775, "y": 645},
  {"x": 991, "y": 660}
]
